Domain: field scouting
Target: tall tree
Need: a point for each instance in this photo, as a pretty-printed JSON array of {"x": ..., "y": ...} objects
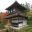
[
  {"x": 31, "y": 7},
  {"x": 27, "y": 6}
]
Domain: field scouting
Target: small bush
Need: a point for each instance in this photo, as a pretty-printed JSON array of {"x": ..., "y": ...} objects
[
  {"x": 26, "y": 29},
  {"x": 1, "y": 25},
  {"x": 29, "y": 22}
]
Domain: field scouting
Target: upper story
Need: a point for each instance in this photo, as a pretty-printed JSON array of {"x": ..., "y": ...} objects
[{"x": 16, "y": 8}]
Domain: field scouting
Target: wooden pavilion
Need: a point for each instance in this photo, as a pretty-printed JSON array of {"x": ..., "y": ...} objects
[{"x": 16, "y": 15}]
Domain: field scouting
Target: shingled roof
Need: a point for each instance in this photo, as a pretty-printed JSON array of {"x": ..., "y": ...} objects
[{"x": 17, "y": 5}]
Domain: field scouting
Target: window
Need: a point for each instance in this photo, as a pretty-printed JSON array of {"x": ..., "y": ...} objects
[
  {"x": 12, "y": 11},
  {"x": 9, "y": 11}
]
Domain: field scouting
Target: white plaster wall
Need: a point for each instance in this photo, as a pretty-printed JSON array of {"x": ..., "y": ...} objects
[
  {"x": 23, "y": 24},
  {"x": 20, "y": 25},
  {"x": 15, "y": 21}
]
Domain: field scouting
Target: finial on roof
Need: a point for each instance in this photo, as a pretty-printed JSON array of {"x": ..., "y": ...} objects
[{"x": 15, "y": 0}]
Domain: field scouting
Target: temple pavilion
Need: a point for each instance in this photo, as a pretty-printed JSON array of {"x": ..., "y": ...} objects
[{"x": 16, "y": 15}]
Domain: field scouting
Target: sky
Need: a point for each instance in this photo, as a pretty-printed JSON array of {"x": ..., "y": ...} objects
[{"x": 6, "y": 3}]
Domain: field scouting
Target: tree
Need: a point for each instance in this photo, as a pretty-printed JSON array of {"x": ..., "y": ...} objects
[
  {"x": 31, "y": 6},
  {"x": 2, "y": 15},
  {"x": 27, "y": 6}
]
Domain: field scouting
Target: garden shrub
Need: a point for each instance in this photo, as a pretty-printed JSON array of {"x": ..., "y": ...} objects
[
  {"x": 1, "y": 25},
  {"x": 26, "y": 29},
  {"x": 29, "y": 22}
]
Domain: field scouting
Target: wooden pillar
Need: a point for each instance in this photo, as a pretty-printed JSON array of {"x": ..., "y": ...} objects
[{"x": 8, "y": 22}]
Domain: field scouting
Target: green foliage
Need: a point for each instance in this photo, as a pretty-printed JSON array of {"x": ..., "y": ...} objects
[
  {"x": 1, "y": 25},
  {"x": 26, "y": 29},
  {"x": 9, "y": 30},
  {"x": 29, "y": 22}
]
